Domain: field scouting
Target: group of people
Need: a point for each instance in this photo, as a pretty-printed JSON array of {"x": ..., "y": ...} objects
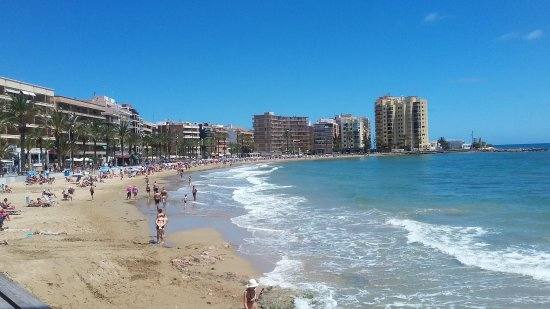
[{"x": 41, "y": 178}]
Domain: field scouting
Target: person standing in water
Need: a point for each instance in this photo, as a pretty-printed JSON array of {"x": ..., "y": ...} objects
[
  {"x": 189, "y": 180},
  {"x": 164, "y": 196},
  {"x": 161, "y": 222},
  {"x": 194, "y": 194}
]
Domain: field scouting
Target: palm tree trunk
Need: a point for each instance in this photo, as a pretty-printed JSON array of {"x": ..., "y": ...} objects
[
  {"x": 95, "y": 153},
  {"x": 122, "y": 150},
  {"x": 58, "y": 149},
  {"x": 83, "y": 154},
  {"x": 42, "y": 157},
  {"x": 22, "y": 135}
]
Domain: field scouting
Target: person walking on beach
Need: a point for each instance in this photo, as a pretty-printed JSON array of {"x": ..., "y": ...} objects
[
  {"x": 251, "y": 295},
  {"x": 194, "y": 194},
  {"x": 128, "y": 192},
  {"x": 155, "y": 187},
  {"x": 135, "y": 191},
  {"x": 161, "y": 222},
  {"x": 148, "y": 190},
  {"x": 92, "y": 190}
]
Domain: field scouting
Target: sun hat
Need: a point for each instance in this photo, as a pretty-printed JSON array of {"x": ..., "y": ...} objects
[{"x": 252, "y": 283}]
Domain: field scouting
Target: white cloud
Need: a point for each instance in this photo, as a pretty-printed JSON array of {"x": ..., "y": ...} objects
[
  {"x": 509, "y": 36},
  {"x": 432, "y": 17},
  {"x": 533, "y": 35},
  {"x": 528, "y": 36}
]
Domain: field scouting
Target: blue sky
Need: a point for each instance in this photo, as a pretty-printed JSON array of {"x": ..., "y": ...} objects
[{"x": 483, "y": 65}]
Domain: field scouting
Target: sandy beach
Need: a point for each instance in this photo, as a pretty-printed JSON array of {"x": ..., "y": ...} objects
[{"x": 96, "y": 254}]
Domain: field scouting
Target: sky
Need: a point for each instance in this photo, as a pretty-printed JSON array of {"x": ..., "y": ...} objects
[{"x": 482, "y": 65}]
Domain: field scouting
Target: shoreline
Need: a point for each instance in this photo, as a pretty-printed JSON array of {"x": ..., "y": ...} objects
[{"x": 85, "y": 253}]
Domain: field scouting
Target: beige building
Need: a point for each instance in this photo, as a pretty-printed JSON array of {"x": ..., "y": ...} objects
[
  {"x": 99, "y": 108},
  {"x": 401, "y": 123},
  {"x": 355, "y": 135},
  {"x": 281, "y": 134}
]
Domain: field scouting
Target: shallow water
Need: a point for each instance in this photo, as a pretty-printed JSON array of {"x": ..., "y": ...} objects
[{"x": 468, "y": 229}]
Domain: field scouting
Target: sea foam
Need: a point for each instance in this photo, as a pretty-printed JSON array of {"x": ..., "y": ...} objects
[{"x": 465, "y": 245}]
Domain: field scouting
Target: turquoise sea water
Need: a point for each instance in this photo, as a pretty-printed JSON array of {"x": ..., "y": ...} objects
[{"x": 465, "y": 229}]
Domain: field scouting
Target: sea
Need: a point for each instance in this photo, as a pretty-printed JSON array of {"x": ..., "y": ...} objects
[{"x": 465, "y": 230}]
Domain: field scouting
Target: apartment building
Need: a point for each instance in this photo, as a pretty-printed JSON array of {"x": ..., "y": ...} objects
[
  {"x": 326, "y": 133},
  {"x": 401, "y": 123},
  {"x": 241, "y": 137},
  {"x": 43, "y": 98},
  {"x": 99, "y": 108},
  {"x": 186, "y": 136},
  {"x": 281, "y": 134},
  {"x": 355, "y": 133}
]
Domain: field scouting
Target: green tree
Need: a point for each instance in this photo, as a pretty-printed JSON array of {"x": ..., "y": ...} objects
[
  {"x": 109, "y": 132},
  {"x": 37, "y": 136},
  {"x": 57, "y": 123},
  {"x": 123, "y": 129},
  {"x": 18, "y": 112},
  {"x": 96, "y": 135},
  {"x": 72, "y": 123},
  {"x": 133, "y": 139},
  {"x": 84, "y": 134}
]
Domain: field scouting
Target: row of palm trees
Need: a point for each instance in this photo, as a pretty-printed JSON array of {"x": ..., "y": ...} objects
[{"x": 69, "y": 135}]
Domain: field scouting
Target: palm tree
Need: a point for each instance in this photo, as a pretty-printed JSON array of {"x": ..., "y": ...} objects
[
  {"x": 71, "y": 125},
  {"x": 37, "y": 136},
  {"x": 108, "y": 133},
  {"x": 123, "y": 129},
  {"x": 96, "y": 134},
  {"x": 19, "y": 111},
  {"x": 83, "y": 134},
  {"x": 5, "y": 148},
  {"x": 162, "y": 139},
  {"x": 133, "y": 139},
  {"x": 58, "y": 124}
]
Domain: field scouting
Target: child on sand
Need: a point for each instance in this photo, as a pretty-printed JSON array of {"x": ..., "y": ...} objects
[
  {"x": 135, "y": 191},
  {"x": 161, "y": 221}
]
